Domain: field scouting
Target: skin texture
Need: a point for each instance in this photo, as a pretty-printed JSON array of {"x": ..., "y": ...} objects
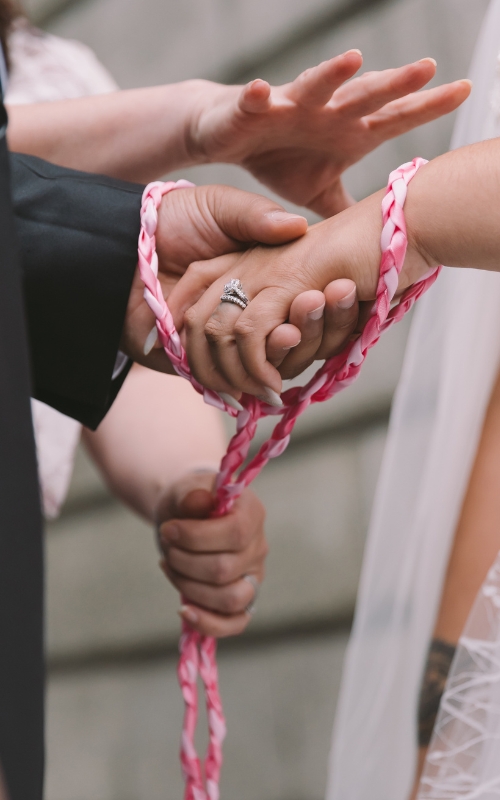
[
  {"x": 207, "y": 560},
  {"x": 159, "y": 470},
  {"x": 477, "y": 540},
  {"x": 327, "y": 125},
  {"x": 297, "y": 138},
  {"x": 201, "y": 222},
  {"x": 449, "y": 220}
]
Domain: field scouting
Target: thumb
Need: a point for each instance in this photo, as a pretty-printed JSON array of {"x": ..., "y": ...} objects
[
  {"x": 248, "y": 217},
  {"x": 191, "y": 497},
  {"x": 197, "y": 504}
]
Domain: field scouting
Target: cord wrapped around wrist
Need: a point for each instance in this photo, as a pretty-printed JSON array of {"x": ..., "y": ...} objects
[{"x": 198, "y": 652}]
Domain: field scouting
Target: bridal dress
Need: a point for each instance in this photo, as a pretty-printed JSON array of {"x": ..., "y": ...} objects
[
  {"x": 451, "y": 364},
  {"x": 45, "y": 68}
]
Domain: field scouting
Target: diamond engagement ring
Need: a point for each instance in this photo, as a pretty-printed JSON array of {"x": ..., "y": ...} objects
[
  {"x": 233, "y": 293},
  {"x": 252, "y": 580}
]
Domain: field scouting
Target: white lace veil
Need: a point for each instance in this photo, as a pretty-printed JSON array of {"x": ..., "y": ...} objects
[
  {"x": 451, "y": 363},
  {"x": 464, "y": 755}
]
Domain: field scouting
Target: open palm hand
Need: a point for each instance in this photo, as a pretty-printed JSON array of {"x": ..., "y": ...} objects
[{"x": 298, "y": 138}]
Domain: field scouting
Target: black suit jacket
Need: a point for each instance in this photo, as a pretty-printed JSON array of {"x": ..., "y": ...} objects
[
  {"x": 68, "y": 249},
  {"x": 78, "y": 238}
]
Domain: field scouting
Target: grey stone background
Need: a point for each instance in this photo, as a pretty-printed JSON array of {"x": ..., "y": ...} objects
[{"x": 114, "y": 710}]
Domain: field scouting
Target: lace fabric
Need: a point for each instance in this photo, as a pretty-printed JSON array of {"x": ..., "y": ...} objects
[{"x": 464, "y": 755}]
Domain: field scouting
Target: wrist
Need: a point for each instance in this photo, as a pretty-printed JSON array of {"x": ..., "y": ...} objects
[
  {"x": 419, "y": 260},
  {"x": 332, "y": 200},
  {"x": 204, "y": 97}
]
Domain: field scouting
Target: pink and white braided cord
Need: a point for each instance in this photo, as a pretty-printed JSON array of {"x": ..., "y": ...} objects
[{"x": 198, "y": 653}]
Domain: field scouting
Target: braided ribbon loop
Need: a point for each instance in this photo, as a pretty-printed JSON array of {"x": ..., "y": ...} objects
[{"x": 198, "y": 653}]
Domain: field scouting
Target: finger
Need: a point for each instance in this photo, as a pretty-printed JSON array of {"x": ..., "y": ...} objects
[
  {"x": 219, "y": 332},
  {"x": 199, "y": 276},
  {"x": 371, "y": 91},
  {"x": 248, "y": 217},
  {"x": 191, "y": 496},
  {"x": 216, "y": 569},
  {"x": 199, "y": 350},
  {"x": 251, "y": 331},
  {"x": 341, "y": 317},
  {"x": 417, "y": 109},
  {"x": 280, "y": 342},
  {"x": 307, "y": 314},
  {"x": 315, "y": 86},
  {"x": 210, "y": 624},
  {"x": 231, "y": 533},
  {"x": 233, "y": 598},
  {"x": 223, "y": 330},
  {"x": 255, "y": 97}
]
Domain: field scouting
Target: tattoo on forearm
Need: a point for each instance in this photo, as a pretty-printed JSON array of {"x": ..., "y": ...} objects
[{"x": 436, "y": 673}]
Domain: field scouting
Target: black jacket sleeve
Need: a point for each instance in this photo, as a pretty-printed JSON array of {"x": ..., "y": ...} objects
[{"x": 77, "y": 235}]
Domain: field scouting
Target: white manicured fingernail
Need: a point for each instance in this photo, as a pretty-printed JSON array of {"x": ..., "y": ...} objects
[
  {"x": 347, "y": 301},
  {"x": 150, "y": 341},
  {"x": 230, "y": 401},
  {"x": 432, "y": 60},
  {"x": 271, "y": 397},
  {"x": 317, "y": 313},
  {"x": 188, "y": 614},
  {"x": 283, "y": 216}
]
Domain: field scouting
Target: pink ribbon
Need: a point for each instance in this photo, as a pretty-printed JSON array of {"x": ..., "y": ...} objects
[{"x": 197, "y": 652}]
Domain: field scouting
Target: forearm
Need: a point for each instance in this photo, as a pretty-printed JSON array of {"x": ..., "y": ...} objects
[
  {"x": 475, "y": 546},
  {"x": 450, "y": 215},
  {"x": 158, "y": 429},
  {"x": 451, "y": 211},
  {"x": 135, "y": 135}
]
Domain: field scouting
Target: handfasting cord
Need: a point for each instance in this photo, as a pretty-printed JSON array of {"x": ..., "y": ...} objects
[{"x": 198, "y": 653}]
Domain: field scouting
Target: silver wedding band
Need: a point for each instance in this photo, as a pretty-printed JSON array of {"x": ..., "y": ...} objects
[
  {"x": 252, "y": 580},
  {"x": 233, "y": 293}
]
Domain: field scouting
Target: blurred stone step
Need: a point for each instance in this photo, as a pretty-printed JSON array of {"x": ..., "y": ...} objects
[
  {"x": 113, "y": 734},
  {"x": 165, "y": 40}
]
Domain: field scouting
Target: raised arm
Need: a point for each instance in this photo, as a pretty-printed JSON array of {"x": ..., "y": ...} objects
[{"x": 297, "y": 138}]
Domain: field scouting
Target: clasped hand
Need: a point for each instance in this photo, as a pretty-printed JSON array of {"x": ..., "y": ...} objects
[{"x": 303, "y": 284}]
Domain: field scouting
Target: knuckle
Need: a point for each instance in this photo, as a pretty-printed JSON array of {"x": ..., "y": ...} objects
[
  {"x": 232, "y": 628},
  {"x": 191, "y": 318},
  {"x": 244, "y": 328},
  {"x": 241, "y": 625},
  {"x": 233, "y": 601},
  {"x": 241, "y": 534},
  {"x": 214, "y": 330},
  {"x": 222, "y": 570},
  {"x": 346, "y": 322},
  {"x": 264, "y": 549}
]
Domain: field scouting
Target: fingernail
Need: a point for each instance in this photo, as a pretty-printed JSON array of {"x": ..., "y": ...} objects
[
  {"x": 186, "y": 612},
  {"x": 171, "y": 533},
  {"x": 348, "y": 301},
  {"x": 317, "y": 313},
  {"x": 271, "y": 397},
  {"x": 468, "y": 81},
  {"x": 432, "y": 60},
  {"x": 283, "y": 216},
  {"x": 150, "y": 341},
  {"x": 231, "y": 401},
  {"x": 291, "y": 346},
  {"x": 354, "y": 50}
]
